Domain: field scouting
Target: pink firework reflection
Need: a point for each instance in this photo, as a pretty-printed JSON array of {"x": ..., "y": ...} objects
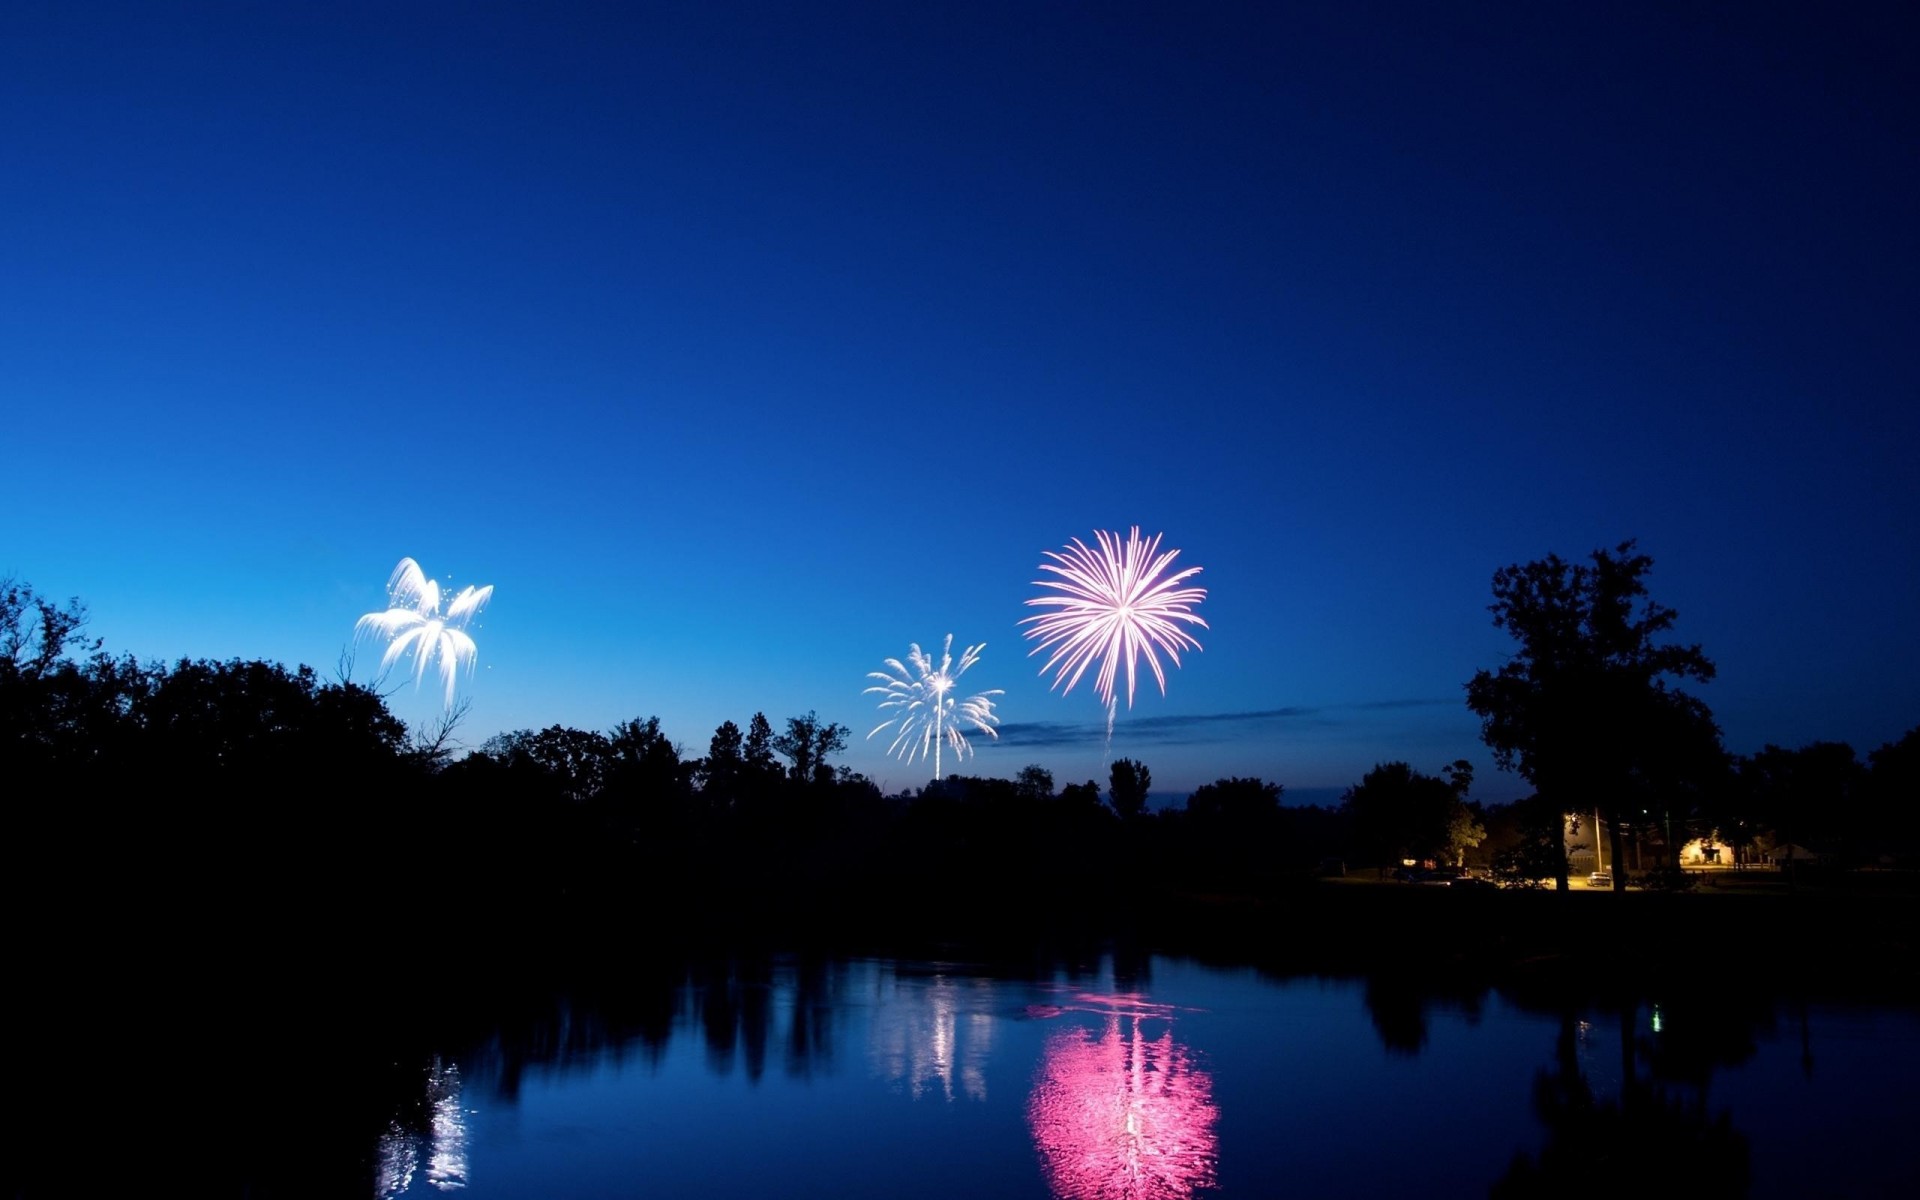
[{"x": 1119, "y": 1115}]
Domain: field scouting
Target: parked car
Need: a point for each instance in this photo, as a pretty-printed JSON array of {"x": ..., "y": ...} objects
[{"x": 1600, "y": 879}]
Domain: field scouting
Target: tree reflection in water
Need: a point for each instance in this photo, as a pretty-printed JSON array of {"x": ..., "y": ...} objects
[
  {"x": 1123, "y": 1114},
  {"x": 1656, "y": 1130}
]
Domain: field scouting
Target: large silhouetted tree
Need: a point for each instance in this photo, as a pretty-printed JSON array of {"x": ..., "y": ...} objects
[{"x": 1583, "y": 710}]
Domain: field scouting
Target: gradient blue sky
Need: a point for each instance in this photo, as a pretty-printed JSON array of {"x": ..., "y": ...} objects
[{"x": 739, "y": 346}]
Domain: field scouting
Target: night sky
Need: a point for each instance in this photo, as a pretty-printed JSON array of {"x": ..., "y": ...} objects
[{"x": 741, "y": 346}]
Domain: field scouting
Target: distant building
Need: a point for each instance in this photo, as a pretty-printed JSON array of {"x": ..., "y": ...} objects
[{"x": 1589, "y": 846}]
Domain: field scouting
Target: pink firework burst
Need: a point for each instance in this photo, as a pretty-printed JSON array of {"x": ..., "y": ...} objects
[{"x": 1118, "y": 605}]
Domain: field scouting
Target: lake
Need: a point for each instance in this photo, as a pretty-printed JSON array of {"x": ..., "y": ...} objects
[{"x": 1147, "y": 1077}]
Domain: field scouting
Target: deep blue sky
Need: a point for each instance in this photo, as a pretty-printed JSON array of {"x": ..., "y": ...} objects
[{"x": 739, "y": 346}]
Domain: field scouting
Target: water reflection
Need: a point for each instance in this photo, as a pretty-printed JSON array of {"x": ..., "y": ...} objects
[
  {"x": 442, "y": 1143},
  {"x": 1007, "y": 1080},
  {"x": 924, "y": 1041},
  {"x": 1399, "y": 1006},
  {"x": 1656, "y": 1125},
  {"x": 1123, "y": 1113}
]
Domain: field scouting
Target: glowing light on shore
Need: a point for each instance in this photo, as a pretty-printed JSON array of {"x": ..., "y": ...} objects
[
  {"x": 413, "y": 623},
  {"x": 1122, "y": 1115},
  {"x": 1116, "y": 605},
  {"x": 924, "y": 711}
]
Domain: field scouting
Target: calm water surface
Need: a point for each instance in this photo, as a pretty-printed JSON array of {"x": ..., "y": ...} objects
[{"x": 1164, "y": 1079}]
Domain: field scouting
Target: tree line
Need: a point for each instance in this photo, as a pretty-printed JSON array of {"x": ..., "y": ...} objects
[
  {"x": 227, "y": 776},
  {"x": 1593, "y": 709}
]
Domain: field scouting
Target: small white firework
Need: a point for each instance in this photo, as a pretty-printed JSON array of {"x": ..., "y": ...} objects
[{"x": 925, "y": 712}]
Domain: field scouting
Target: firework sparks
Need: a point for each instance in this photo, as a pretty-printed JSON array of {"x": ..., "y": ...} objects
[
  {"x": 1116, "y": 605},
  {"x": 414, "y": 623},
  {"x": 925, "y": 712}
]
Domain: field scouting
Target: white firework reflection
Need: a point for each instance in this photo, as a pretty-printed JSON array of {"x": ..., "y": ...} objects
[
  {"x": 925, "y": 712},
  {"x": 414, "y": 623},
  {"x": 1116, "y": 604}
]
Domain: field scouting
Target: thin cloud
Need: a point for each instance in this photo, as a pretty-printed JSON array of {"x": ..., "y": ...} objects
[
  {"x": 1042, "y": 733},
  {"x": 1193, "y": 729}
]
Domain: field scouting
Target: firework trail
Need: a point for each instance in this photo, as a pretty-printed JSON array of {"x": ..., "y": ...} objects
[
  {"x": 413, "y": 622},
  {"x": 1115, "y": 604},
  {"x": 924, "y": 712}
]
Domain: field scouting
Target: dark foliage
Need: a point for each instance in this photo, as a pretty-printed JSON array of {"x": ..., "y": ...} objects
[
  {"x": 1127, "y": 786},
  {"x": 1584, "y": 709},
  {"x": 806, "y": 745},
  {"x": 1395, "y": 812}
]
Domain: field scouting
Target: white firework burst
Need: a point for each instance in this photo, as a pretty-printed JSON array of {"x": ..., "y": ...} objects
[
  {"x": 413, "y": 623},
  {"x": 924, "y": 710}
]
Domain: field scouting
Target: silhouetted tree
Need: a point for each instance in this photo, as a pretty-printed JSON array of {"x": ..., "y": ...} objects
[
  {"x": 50, "y": 706},
  {"x": 757, "y": 751},
  {"x": 1894, "y": 791},
  {"x": 1727, "y": 813},
  {"x": 1082, "y": 798},
  {"x": 806, "y": 744},
  {"x": 1677, "y": 772},
  {"x": 1464, "y": 829},
  {"x": 720, "y": 772},
  {"x": 573, "y": 761},
  {"x": 236, "y": 723},
  {"x": 1034, "y": 783},
  {"x": 35, "y": 632},
  {"x": 431, "y": 745},
  {"x": 645, "y": 778},
  {"x": 1810, "y": 797},
  {"x": 1238, "y": 803},
  {"x": 1583, "y": 709},
  {"x": 1127, "y": 785},
  {"x": 1524, "y": 841},
  {"x": 1232, "y": 828},
  {"x": 1396, "y": 812}
]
